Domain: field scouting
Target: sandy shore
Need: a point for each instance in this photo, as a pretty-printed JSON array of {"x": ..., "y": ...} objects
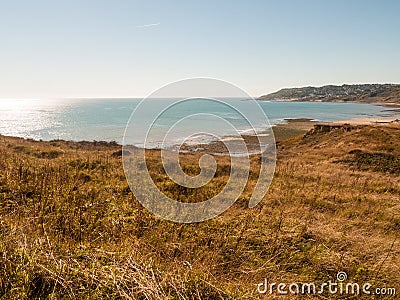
[
  {"x": 294, "y": 125},
  {"x": 370, "y": 121}
]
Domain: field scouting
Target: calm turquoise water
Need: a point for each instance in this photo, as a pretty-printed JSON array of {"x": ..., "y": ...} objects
[{"x": 106, "y": 119}]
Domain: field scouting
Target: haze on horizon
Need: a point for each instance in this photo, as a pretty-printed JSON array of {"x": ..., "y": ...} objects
[{"x": 58, "y": 49}]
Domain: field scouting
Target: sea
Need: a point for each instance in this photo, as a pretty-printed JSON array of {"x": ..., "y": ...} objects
[{"x": 107, "y": 119}]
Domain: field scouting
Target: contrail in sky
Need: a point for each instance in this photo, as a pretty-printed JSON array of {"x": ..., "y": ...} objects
[{"x": 148, "y": 25}]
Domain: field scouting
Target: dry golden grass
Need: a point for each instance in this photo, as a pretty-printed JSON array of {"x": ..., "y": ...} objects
[{"x": 70, "y": 227}]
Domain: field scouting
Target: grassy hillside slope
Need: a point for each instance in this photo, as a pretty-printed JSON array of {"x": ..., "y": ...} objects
[{"x": 70, "y": 227}]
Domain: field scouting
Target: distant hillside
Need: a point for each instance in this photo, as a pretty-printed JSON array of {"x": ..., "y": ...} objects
[{"x": 368, "y": 93}]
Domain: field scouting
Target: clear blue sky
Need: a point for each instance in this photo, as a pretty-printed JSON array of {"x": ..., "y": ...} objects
[{"x": 97, "y": 48}]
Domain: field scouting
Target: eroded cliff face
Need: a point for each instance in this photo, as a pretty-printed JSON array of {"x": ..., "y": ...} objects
[{"x": 324, "y": 128}]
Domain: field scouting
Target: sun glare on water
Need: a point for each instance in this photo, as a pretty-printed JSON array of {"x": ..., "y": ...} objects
[{"x": 26, "y": 117}]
